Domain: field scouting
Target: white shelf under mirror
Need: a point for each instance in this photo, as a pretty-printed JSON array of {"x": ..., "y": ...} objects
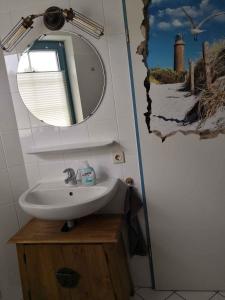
[{"x": 71, "y": 147}]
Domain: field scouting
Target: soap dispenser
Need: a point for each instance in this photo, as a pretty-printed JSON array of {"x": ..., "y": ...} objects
[{"x": 87, "y": 174}]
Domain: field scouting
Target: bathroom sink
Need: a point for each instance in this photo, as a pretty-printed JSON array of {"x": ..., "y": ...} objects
[{"x": 56, "y": 200}]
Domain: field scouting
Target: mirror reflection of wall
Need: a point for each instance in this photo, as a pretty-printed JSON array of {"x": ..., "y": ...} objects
[{"x": 61, "y": 79}]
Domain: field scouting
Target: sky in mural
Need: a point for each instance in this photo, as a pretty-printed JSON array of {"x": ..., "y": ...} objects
[{"x": 167, "y": 19}]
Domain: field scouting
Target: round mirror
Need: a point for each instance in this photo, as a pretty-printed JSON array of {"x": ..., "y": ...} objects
[{"x": 61, "y": 79}]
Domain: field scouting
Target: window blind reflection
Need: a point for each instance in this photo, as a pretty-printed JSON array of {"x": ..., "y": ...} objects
[{"x": 45, "y": 95}]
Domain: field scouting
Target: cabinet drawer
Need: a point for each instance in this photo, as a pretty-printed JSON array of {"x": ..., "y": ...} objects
[{"x": 90, "y": 276}]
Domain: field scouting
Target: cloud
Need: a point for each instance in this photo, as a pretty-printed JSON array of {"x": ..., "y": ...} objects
[
  {"x": 164, "y": 26},
  {"x": 178, "y": 12},
  {"x": 151, "y": 20},
  {"x": 204, "y": 4},
  {"x": 157, "y": 2},
  {"x": 177, "y": 23},
  {"x": 175, "y": 18}
]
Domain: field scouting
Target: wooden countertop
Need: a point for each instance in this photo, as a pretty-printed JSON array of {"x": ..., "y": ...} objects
[{"x": 94, "y": 229}]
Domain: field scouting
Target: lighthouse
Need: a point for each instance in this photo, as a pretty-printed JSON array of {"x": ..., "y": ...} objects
[{"x": 179, "y": 48}]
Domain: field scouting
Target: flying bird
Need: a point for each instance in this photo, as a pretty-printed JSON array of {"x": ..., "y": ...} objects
[{"x": 196, "y": 29}]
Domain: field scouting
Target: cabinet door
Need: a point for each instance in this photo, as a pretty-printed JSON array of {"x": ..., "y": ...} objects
[{"x": 43, "y": 262}]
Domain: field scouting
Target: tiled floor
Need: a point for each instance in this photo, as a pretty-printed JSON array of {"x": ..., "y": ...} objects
[{"x": 149, "y": 294}]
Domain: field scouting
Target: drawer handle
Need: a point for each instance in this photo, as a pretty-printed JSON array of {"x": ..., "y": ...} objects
[{"x": 67, "y": 278}]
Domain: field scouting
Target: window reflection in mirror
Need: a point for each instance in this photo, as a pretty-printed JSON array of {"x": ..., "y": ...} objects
[{"x": 61, "y": 79}]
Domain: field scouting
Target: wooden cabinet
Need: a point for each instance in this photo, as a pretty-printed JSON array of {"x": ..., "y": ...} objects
[{"x": 87, "y": 263}]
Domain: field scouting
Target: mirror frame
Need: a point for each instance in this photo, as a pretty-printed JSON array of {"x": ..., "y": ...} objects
[{"x": 102, "y": 66}]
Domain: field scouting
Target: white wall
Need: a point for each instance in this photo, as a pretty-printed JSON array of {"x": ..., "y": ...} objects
[
  {"x": 13, "y": 181},
  {"x": 114, "y": 118},
  {"x": 184, "y": 181}
]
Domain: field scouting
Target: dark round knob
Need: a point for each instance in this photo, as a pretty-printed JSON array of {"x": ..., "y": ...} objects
[{"x": 68, "y": 278}]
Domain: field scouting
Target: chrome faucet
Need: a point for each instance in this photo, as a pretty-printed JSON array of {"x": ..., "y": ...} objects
[{"x": 72, "y": 176}]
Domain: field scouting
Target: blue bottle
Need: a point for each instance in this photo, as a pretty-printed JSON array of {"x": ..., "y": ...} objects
[{"x": 87, "y": 174}]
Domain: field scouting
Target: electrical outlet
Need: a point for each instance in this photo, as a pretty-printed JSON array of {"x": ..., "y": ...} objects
[{"x": 119, "y": 157}]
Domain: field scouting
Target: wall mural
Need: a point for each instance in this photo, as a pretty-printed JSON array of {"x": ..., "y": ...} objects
[{"x": 184, "y": 52}]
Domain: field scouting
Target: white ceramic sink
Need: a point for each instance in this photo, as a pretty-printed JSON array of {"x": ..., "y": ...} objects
[{"x": 59, "y": 201}]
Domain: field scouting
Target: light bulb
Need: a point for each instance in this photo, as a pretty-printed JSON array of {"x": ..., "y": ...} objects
[
  {"x": 18, "y": 32},
  {"x": 83, "y": 23}
]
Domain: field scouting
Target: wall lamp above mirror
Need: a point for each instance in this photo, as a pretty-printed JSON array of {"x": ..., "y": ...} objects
[{"x": 54, "y": 19}]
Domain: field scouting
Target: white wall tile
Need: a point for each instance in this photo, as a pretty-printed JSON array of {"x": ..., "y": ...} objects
[
  {"x": 74, "y": 134},
  {"x": 2, "y": 156},
  {"x": 13, "y": 293},
  {"x": 5, "y": 188},
  {"x": 103, "y": 130},
  {"x": 8, "y": 222},
  {"x": 51, "y": 170},
  {"x": 12, "y": 148},
  {"x": 11, "y": 61},
  {"x": 126, "y": 136},
  {"x": 7, "y": 115},
  {"x": 25, "y": 9},
  {"x": 104, "y": 166},
  {"x": 33, "y": 173},
  {"x": 18, "y": 180},
  {"x": 46, "y": 136},
  {"x": 131, "y": 168},
  {"x": 22, "y": 113},
  {"x": 35, "y": 122},
  {"x": 59, "y": 3},
  {"x": 75, "y": 159},
  {"x": 44, "y": 158},
  {"x": 9, "y": 275},
  {"x": 113, "y": 17},
  {"x": 23, "y": 218},
  {"x": 5, "y": 9},
  {"x": 27, "y": 143},
  {"x": 139, "y": 267},
  {"x": 10, "y": 155},
  {"x": 120, "y": 76}
]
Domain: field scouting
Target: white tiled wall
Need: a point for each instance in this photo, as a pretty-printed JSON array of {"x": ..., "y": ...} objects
[
  {"x": 13, "y": 182},
  {"x": 113, "y": 119}
]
